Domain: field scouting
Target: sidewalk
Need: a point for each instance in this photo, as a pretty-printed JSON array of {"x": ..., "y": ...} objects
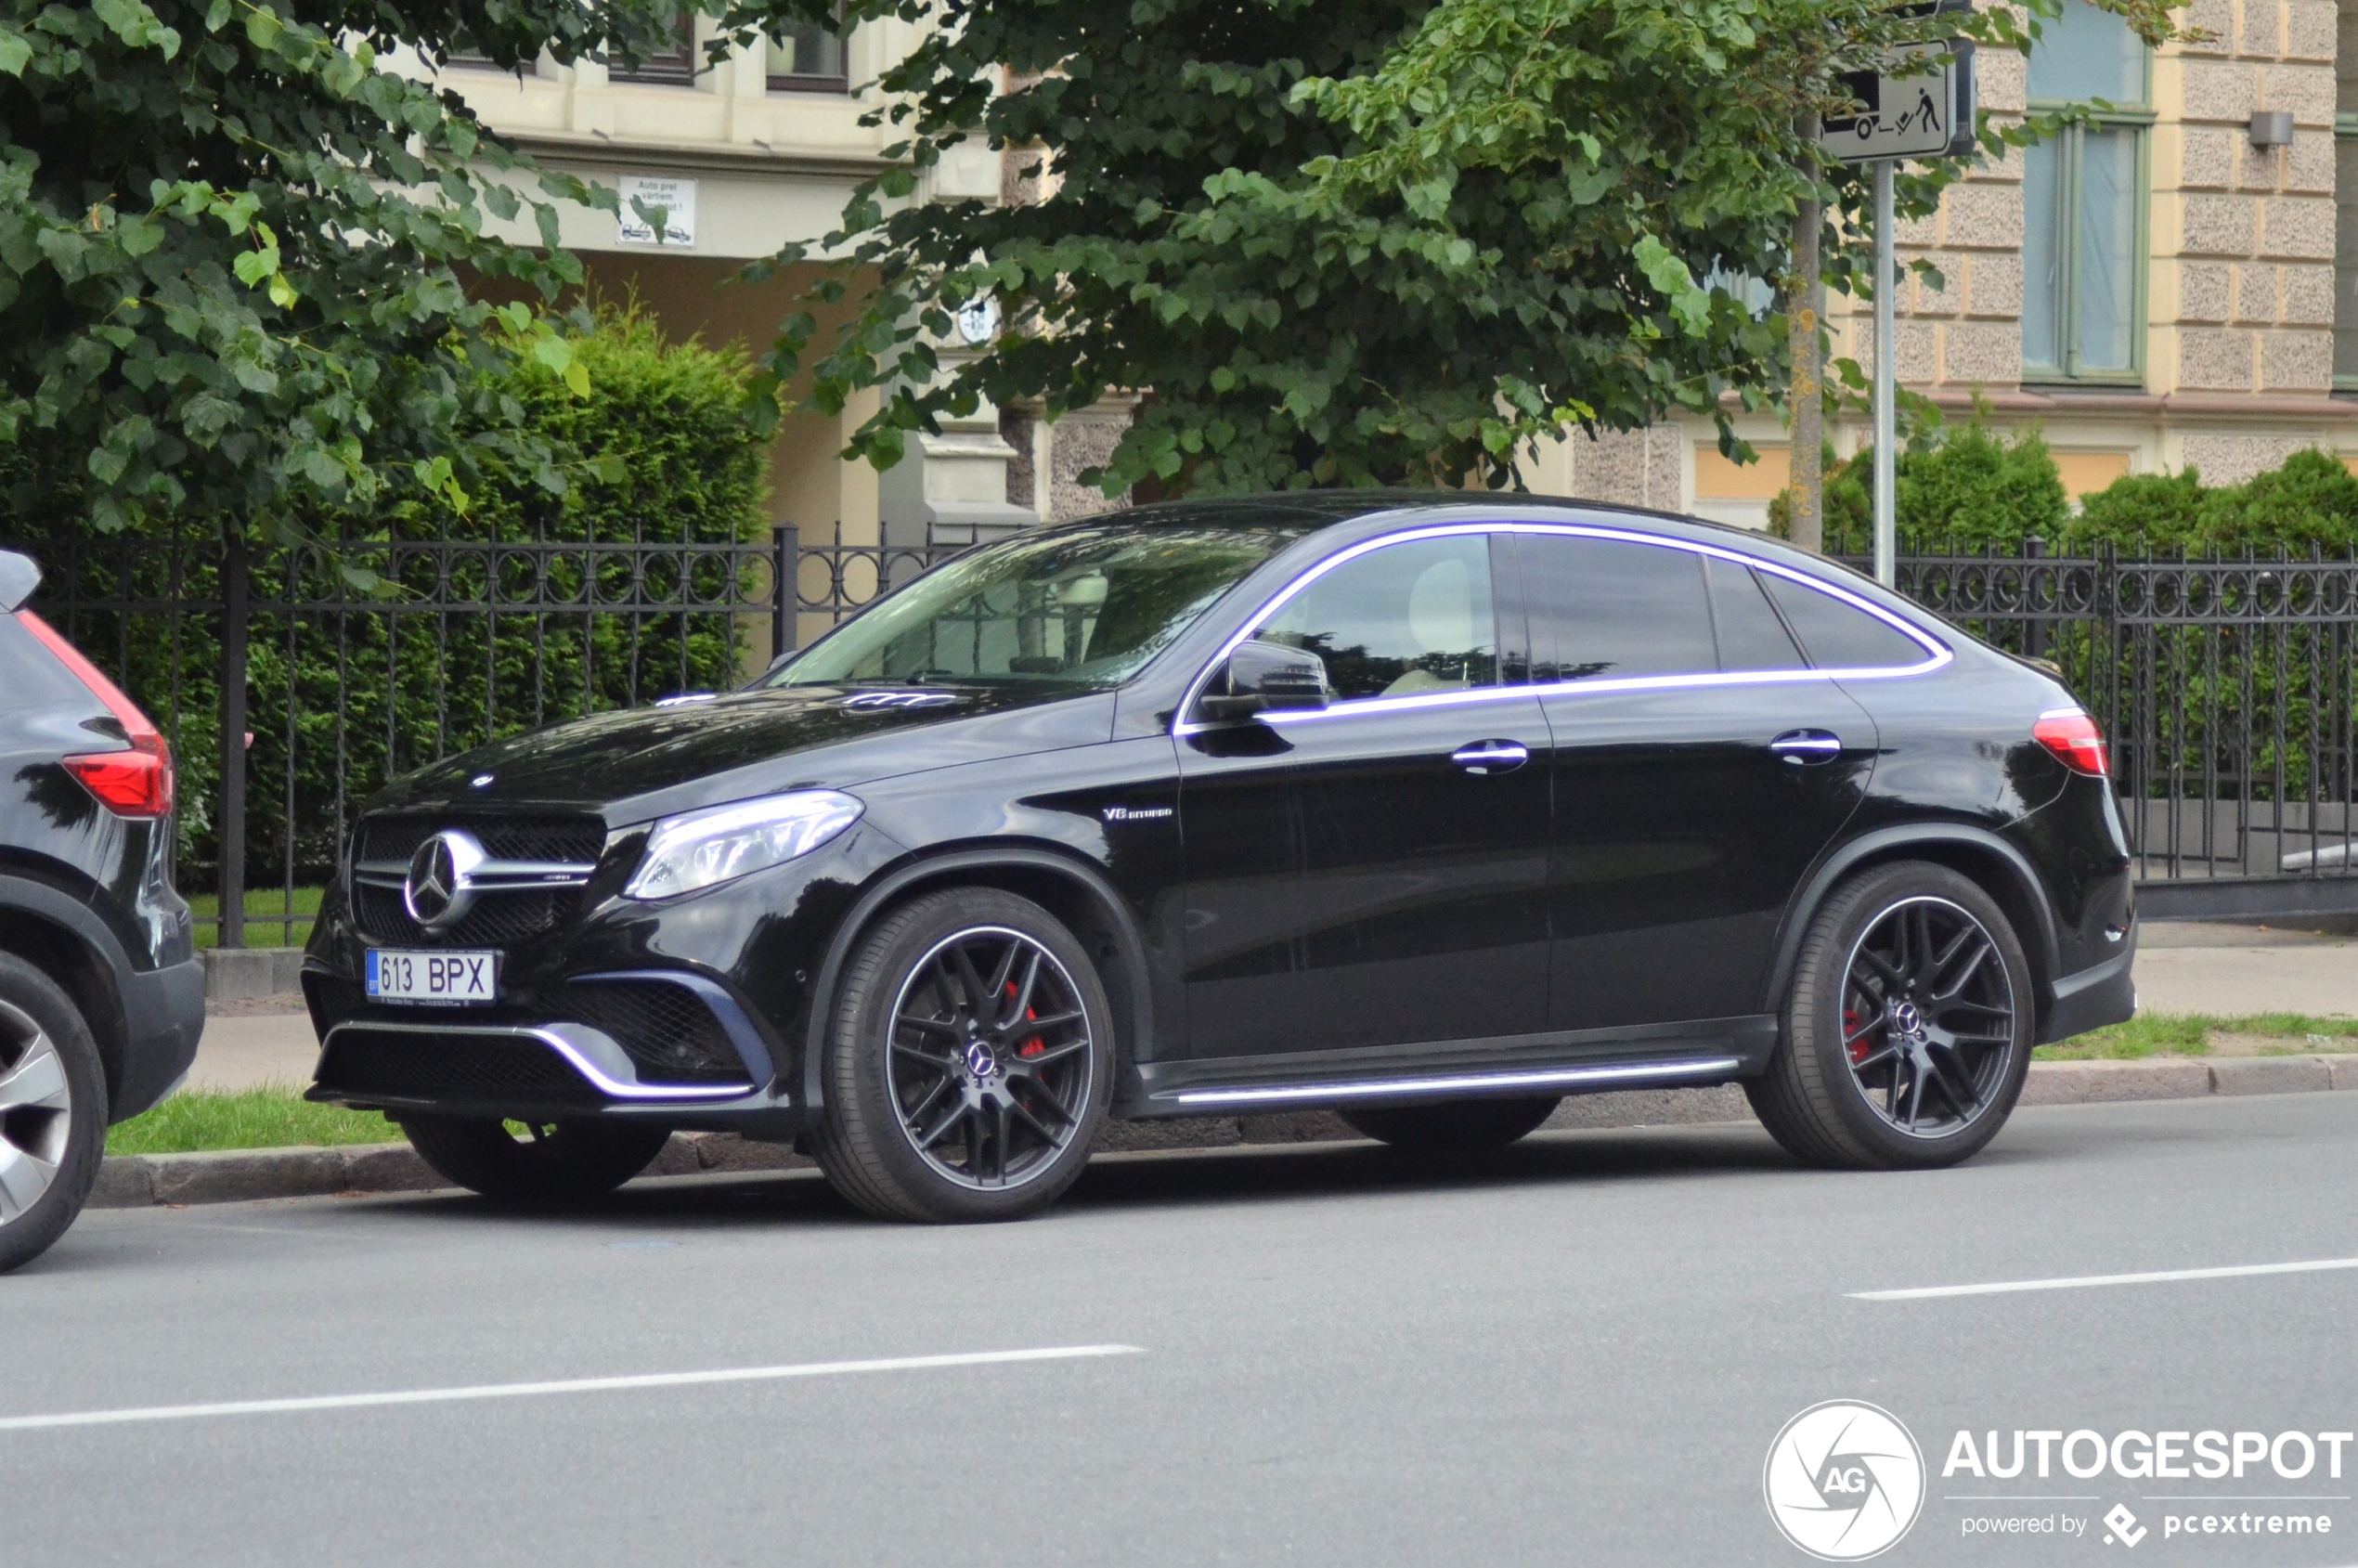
[
  {"x": 247, "y": 1048},
  {"x": 2229, "y": 970}
]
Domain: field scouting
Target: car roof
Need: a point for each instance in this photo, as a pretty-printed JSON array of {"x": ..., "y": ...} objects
[
  {"x": 1311, "y": 512},
  {"x": 1322, "y": 508}
]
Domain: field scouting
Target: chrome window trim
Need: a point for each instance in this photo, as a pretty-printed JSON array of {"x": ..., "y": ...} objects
[
  {"x": 574, "y": 1055},
  {"x": 1377, "y": 1088},
  {"x": 1937, "y": 654}
]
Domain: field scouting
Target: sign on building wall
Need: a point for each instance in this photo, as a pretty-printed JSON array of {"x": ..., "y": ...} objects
[
  {"x": 676, "y": 197},
  {"x": 1926, "y": 114}
]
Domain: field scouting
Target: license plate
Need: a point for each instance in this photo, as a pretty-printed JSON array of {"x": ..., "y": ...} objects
[{"x": 451, "y": 979}]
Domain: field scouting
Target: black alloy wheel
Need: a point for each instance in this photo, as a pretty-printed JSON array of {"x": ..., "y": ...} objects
[
  {"x": 971, "y": 1064},
  {"x": 1928, "y": 1018},
  {"x": 990, "y": 1059},
  {"x": 1908, "y": 1028}
]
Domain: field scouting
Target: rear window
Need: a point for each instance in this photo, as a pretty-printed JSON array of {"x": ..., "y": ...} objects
[
  {"x": 1840, "y": 636},
  {"x": 31, "y": 676}
]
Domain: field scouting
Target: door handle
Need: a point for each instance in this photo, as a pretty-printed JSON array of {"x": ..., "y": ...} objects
[
  {"x": 1491, "y": 756},
  {"x": 1803, "y": 746}
]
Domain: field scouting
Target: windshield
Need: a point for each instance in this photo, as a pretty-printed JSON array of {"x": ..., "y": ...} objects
[{"x": 1082, "y": 608}]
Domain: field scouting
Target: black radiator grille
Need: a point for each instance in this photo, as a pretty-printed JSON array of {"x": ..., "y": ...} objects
[
  {"x": 497, "y": 919},
  {"x": 573, "y": 840}
]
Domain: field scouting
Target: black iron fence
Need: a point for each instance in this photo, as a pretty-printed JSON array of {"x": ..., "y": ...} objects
[
  {"x": 292, "y": 684},
  {"x": 2228, "y": 687}
]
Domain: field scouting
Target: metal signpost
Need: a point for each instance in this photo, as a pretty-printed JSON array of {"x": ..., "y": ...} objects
[{"x": 1921, "y": 105}]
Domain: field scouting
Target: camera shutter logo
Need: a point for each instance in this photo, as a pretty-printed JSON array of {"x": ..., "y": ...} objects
[{"x": 1844, "y": 1480}]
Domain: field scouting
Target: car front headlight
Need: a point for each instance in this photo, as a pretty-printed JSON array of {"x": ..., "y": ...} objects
[{"x": 701, "y": 848}]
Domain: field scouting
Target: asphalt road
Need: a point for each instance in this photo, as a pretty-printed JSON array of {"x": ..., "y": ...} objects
[{"x": 1579, "y": 1352}]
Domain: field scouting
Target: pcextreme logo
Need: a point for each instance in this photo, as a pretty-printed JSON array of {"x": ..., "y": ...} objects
[{"x": 1844, "y": 1481}]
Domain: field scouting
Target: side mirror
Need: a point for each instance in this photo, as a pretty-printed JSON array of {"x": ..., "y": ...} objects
[{"x": 1262, "y": 678}]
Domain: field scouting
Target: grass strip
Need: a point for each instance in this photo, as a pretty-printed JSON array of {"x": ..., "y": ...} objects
[
  {"x": 272, "y": 1117},
  {"x": 2188, "y": 1034}
]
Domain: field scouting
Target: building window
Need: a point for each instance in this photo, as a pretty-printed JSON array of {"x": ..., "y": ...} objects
[
  {"x": 2083, "y": 197},
  {"x": 675, "y": 67},
  {"x": 2345, "y": 201},
  {"x": 807, "y": 58}
]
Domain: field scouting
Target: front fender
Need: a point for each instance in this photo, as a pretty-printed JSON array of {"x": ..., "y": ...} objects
[{"x": 996, "y": 864}]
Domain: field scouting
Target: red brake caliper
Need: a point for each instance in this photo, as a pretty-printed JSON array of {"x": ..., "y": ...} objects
[
  {"x": 1849, "y": 1027},
  {"x": 1034, "y": 1045}
]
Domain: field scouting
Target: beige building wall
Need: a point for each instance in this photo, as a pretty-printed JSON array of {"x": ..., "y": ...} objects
[{"x": 769, "y": 165}]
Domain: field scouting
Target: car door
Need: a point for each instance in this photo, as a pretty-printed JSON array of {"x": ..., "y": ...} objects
[
  {"x": 1374, "y": 873},
  {"x": 1700, "y": 767}
]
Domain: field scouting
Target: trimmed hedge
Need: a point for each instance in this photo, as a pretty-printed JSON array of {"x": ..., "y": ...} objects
[
  {"x": 1976, "y": 488},
  {"x": 660, "y": 451}
]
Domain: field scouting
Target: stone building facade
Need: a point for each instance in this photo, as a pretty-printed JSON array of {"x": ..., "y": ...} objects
[{"x": 2170, "y": 287}]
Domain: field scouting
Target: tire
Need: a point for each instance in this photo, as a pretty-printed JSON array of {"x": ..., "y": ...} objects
[
  {"x": 53, "y": 1112},
  {"x": 1908, "y": 1028},
  {"x": 545, "y": 1165},
  {"x": 940, "y": 1110},
  {"x": 1453, "y": 1127}
]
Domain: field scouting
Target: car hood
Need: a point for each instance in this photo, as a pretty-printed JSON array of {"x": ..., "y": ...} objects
[{"x": 645, "y": 762}]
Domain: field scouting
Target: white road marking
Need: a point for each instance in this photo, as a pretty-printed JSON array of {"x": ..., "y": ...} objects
[
  {"x": 572, "y": 1385},
  {"x": 2163, "y": 1276}
]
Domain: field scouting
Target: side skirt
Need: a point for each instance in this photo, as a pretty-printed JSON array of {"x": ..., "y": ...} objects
[{"x": 1567, "y": 1062}]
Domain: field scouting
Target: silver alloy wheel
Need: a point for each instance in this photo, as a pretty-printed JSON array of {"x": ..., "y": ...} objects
[
  {"x": 991, "y": 1066},
  {"x": 36, "y": 1112},
  {"x": 1927, "y": 1017}
]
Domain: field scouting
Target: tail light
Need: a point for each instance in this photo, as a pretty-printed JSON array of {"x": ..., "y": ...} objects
[
  {"x": 2075, "y": 740},
  {"x": 137, "y": 783}
]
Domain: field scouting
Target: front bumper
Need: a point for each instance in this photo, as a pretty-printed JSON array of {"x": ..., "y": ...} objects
[{"x": 554, "y": 1069}]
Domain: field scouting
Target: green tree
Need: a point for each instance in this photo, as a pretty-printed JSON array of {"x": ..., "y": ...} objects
[
  {"x": 1356, "y": 244},
  {"x": 232, "y": 246}
]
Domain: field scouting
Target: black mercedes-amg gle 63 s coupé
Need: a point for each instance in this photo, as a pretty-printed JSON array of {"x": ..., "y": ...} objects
[{"x": 1427, "y": 811}]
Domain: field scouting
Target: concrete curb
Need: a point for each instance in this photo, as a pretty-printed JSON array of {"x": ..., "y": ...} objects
[
  {"x": 138, "y": 1181},
  {"x": 242, "y": 973}
]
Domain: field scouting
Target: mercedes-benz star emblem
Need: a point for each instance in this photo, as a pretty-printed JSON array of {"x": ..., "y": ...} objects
[{"x": 439, "y": 888}]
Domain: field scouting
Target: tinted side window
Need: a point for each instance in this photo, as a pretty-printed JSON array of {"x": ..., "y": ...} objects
[
  {"x": 1406, "y": 618},
  {"x": 1751, "y": 637},
  {"x": 1837, "y": 636},
  {"x": 1606, "y": 609}
]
